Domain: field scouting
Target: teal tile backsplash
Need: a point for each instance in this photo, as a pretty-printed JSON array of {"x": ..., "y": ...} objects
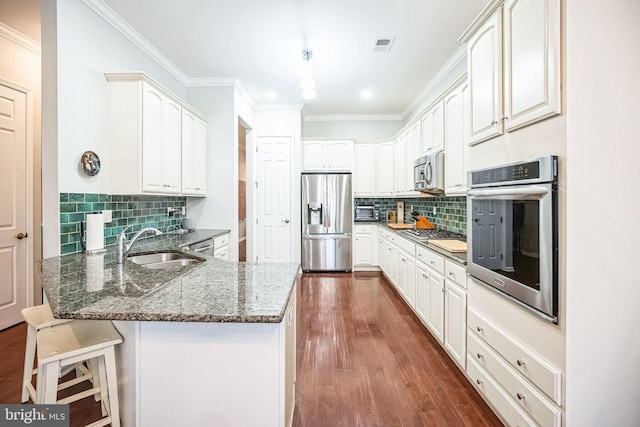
[
  {"x": 137, "y": 211},
  {"x": 451, "y": 212}
]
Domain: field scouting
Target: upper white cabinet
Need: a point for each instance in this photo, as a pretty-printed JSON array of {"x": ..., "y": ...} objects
[
  {"x": 433, "y": 129},
  {"x": 364, "y": 170},
  {"x": 521, "y": 37},
  {"x": 384, "y": 169},
  {"x": 456, "y": 145},
  {"x": 146, "y": 135},
  {"x": 194, "y": 155},
  {"x": 327, "y": 156},
  {"x": 413, "y": 146},
  {"x": 399, "y": 164}
]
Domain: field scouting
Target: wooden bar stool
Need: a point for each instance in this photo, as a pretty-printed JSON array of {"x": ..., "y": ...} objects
[
  {"x": 37, "y": 317},
  {"x": 75, "y": 342}
]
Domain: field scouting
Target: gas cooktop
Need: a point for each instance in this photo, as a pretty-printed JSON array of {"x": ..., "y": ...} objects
[{"x": 423, "y": 234}]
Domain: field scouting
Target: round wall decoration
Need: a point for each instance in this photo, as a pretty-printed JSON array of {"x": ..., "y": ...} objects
[{"x": 90, "y": 163}]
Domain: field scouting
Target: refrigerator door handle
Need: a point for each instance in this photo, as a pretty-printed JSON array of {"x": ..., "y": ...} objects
[{"x": 326, "y": 236}]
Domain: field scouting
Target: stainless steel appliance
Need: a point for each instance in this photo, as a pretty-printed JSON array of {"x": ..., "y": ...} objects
[
  {"x": 512, "y": 214},
  {"x": 428, "y": 173},
  {"x": 366, "y": 213},
  {"x": 425, "y": 234},
  {"x": 326, "y": 222}
]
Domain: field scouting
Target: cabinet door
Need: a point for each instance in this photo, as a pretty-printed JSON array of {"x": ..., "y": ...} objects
[
  {"x": 389, "y": 261},
  {"x": 454, "y": 143},
  {"x": 455, "y": 327},
  {"x": 152, "y": 140},
  {"x": 172, "y": 125},
  {"x": 381, "y": 253},
  {"x": 399, "y": 159},
  {"x": 422, "y": 291},
  {"x": 314, "y": 155},
  {"x": 364, "y": 171},
  {"x": 412, "y": 152},
  {"x": 340, "y": 156},
  {"x": 384, "y": 169},
  {"x": 194, "y": 154},
  {"x": 201, "y": 160},
  {"x": 484, "y": 58},
  {"x": 363, "y": 249},
  {"x": 531, "y": 60},
  {"x": 435, "y": 315},
  {"x": 433, "y": 129},
  {"x": 410, "y": 280}
]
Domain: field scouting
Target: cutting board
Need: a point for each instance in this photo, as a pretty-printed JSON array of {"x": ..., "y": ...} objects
[
  {"x": 454, "y": 246},
  {"x": 400, "y": 226}
]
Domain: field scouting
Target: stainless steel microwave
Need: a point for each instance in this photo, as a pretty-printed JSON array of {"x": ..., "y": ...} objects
[
  {"x": 428, "y": 173},
  {"x": 512, "y": 216},
  {"x": 366, "y": 213}
]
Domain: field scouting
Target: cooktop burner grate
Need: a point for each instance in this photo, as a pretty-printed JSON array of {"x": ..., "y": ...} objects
[{"x": 426, "y": 234}]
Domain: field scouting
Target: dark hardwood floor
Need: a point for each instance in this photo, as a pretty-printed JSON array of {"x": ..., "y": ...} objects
[{"x": 363, "y": 360}]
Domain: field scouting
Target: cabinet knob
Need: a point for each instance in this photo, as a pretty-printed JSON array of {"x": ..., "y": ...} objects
[
  {"x": 520, "y": 396},
  {"x": 520, "y": 362},
  {"x": 451, "y": 273},
  {"x": 478, "y": 382},
  {"x": 479, "y": 355},
  {"x": 479, "y": 329},
  {"x": 494, "y": 122},
  {"x": 505, "y": 118}
]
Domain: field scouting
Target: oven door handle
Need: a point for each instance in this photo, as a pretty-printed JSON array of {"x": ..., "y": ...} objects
[{"x": 509, "y": 193}]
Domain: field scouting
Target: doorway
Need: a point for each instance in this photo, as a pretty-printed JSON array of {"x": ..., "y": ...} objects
[{"x": 242, "y": 193}]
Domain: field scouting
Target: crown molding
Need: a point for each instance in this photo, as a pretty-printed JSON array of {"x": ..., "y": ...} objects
[
  {"x": 351, "y": 117},
  {"x": 20, "y": 39},
  {"x": 459, "y": 56},
  {"x": 112, "y": 18},
  {"x": 244, "y": 93},
  {"x": 212, "y": 81},
  {"x": 279, "y": 107},
  {"x": 484, "y": 14}
]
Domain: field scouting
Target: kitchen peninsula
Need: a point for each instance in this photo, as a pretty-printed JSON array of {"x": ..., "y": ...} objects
[{"x": 211, "y": 343}]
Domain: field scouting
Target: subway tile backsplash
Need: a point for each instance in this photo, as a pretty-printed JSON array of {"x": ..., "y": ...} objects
[
  {"x": 137, "y": 211},
  {"x": 451, "y": 212}
]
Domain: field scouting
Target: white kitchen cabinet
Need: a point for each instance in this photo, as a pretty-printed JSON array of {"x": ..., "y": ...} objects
[
  {"x": 406, "y": 265},
  {"x": 327, "y": 155},
  {"x": 422, "y": 291},
  {"x": 384, "y": 169},
  {"x": 221, "y": 247},
  {"x": 145, "y": 136},
  {"x": 521, "y": 37},
  {"x": 365, "y": 245},
  {"x": 432, "y": 123},
  {"x": 364, "y": 170},
  {"x": 194, "y": 155},
  {"x": 413, "y": 147},
  {"x": 399, "y": 164},
  {"x": 455, "y": 322},
  {"x": 456, "y": 145},
  {"x": 435, "y": 312},
  {"x": 389, "y": 261}
]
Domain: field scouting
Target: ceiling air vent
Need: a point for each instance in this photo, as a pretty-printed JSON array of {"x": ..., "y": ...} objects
[{"x": 383, "y": 44}]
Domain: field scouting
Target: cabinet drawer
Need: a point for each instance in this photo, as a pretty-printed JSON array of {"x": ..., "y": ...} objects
[
  {"x": 431, "y": 259},
  {"x": 404, "y": 244},
  {"x": 456, "y": 273},
  {"x": 362, "y": 228},
  {"x": 496, "y": 396},
  {"x": 221, "y": 241},
  {"x": 545, "y": 376},
  {"x": 384, "y": 233},
  {"x": 539, "y": 407},
  {"x": 222, "y": 253}
]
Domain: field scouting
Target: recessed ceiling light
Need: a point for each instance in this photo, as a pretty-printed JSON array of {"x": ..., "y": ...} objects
[
  {"x": 271, "y": 94},
  {"x": 366, "y": 94},
  {"x": 309, "y": 94}
]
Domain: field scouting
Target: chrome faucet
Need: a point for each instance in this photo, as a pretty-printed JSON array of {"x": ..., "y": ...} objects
[{"x": 123, "y": 247}]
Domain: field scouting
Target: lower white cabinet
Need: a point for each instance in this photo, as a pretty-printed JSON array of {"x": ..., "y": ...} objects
[
  {"x": 406, "y": 282},
  {"x": 455, "y": 322},
  {"x": 365, "y": 245},
  {"x": 221, "y": 247},
  {"x": 435, "y": 313},
  {"x": 522, "y": 385}
]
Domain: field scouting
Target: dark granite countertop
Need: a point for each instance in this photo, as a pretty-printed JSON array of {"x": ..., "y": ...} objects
[
  {"x": 460, "y": 258},
  {"x": 81, "y": 286}
]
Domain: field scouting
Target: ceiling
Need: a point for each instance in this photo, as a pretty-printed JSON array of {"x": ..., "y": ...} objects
[{"x": 260, "y": 43}]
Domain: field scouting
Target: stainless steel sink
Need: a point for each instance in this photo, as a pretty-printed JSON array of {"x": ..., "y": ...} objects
[{"x": 162, "y": 260}]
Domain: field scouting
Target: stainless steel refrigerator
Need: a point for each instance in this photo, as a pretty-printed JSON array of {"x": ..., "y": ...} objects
[{"x": 327, "y": 209}]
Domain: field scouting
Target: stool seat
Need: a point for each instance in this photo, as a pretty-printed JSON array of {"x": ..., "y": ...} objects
[{"x": 75, "y": 342}]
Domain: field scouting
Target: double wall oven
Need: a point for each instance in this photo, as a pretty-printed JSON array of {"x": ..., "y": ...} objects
[{"x": 513, "y": 238}]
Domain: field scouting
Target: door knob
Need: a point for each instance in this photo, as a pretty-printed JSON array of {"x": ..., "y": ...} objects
[
  {"x": 286, "y": 221},
  {"x": 21, "y": 236}
]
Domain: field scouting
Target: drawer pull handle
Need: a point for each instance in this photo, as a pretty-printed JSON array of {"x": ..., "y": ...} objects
[
  {"x": 520, "y": 362},
  {"x": 479, "y": 329},
  {"x": 479, "y": 355},
  {"x": 451, "y": 273},
  {"x": 478, "y": 382},
  {"x": 520, "y": 396},
  {"x": 432, "y": 263}
]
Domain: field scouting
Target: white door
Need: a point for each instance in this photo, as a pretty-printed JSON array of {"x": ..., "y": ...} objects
[
  {"x": 14, "y": 278},
  {"x": 274, "y": 199}
]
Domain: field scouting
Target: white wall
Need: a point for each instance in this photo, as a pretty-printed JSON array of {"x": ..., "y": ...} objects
[{"x": 603, "y": 349}]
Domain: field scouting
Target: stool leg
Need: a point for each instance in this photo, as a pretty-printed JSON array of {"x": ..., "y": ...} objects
[
  {"x": 92, "y": 364},
  {"x": 103, "y": 381},
  {"x": 29, "y": 357},
  {"x": 47, "y": 390},
  {"x": 112, "y": 384}
]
